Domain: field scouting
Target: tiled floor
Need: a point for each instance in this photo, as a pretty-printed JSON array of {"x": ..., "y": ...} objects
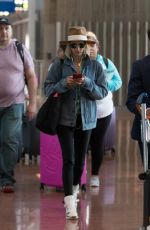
[{"x": 116, "y": 205}]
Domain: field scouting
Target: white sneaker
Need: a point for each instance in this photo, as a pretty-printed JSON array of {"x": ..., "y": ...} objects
[
  {"x": 94, "y": 181},
  {"x": 71, "y": 225},
  {"x": 76, "y": 192},
  {"x": 71, "y": 209}
]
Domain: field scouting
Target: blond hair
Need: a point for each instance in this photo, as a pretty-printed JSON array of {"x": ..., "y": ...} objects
[{"x": 91, "y": 34}]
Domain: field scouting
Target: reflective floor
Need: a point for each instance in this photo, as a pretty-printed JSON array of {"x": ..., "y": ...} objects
[{"x": 116, "y": 205}]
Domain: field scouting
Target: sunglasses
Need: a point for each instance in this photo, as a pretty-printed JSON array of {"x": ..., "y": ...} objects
[{"x": 75, "y": 45}]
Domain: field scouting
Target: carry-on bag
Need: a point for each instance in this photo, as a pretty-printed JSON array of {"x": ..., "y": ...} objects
[
  {"x": 31, "y": 139},
  {"x": 51, "y": 162}
]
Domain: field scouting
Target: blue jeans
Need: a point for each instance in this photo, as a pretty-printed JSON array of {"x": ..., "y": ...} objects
[{"x": 10, "y": 139}]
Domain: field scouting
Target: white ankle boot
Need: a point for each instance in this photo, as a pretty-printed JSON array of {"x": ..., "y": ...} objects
[
  {"x": 70, "y": 205},
  {"x": 94, "y": 181},
  {"x": 76, "y": 192}
]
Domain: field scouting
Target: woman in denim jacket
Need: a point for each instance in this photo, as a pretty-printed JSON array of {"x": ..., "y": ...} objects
[{"x": 81, "y": 82}]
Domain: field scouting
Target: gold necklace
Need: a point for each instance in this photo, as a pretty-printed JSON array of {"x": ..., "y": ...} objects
[{"x": 77, "y": 66}]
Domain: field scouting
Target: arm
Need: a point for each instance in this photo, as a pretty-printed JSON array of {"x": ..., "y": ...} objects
[
  {"x": 32, "y": 90},
  {"x": 54, "y": 81},
  {"x": 114, "y": 79},
  {"x": 95, "y": 88},
  {"x": 134, "y": 87},
  {"x": 31, "y": 81}
]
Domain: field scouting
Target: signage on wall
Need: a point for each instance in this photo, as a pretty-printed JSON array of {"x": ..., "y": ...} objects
[
  {"x": 11, "y": 6},
  {"x": 7, "y": 5}
]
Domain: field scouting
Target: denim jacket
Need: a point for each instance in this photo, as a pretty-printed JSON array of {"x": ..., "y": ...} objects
[{"x": 94, "y": 88}]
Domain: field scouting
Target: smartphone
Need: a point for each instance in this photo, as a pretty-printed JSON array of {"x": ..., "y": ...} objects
[{"x": 77, "y": 75}]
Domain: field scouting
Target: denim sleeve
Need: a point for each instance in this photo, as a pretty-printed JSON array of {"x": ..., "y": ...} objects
[
  {"x": 96, "y": 88},
  {"x": 54, "y": 81}
]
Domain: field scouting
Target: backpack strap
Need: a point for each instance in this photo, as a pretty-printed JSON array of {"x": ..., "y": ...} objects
[
  {"x": 20, "y": 50},
  {"x": 105, "y": 61},
  {"x": 21, "y": 53}
]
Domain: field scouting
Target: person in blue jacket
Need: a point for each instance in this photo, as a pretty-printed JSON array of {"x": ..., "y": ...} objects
[
  {"x": 139, "y": 83},
  {"x": 81, "y": 83},
  {"x": 104, "y": 109}
]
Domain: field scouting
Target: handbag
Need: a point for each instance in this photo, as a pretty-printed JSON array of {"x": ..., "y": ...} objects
[{"x": 48, "y": 115}]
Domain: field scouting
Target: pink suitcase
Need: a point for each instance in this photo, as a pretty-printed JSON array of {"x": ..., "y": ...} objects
[{"x": 51, "y": 162}]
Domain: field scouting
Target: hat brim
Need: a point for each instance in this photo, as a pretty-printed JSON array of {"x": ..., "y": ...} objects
[
  {"x": 91, "y": 42},
  {"x": 5, "y": 23},
  {"x": 65, "y": 43}
]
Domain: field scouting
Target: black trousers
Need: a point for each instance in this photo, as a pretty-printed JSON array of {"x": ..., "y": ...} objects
[
  {"x": 74, "y": 144},
  {"x": 97, "y": 143}
]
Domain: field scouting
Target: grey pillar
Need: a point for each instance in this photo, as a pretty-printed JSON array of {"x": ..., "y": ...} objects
[{"x": 31, "y": 27}]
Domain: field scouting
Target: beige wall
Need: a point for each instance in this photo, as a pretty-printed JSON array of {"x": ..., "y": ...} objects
[{"x": 121, "y": 26}]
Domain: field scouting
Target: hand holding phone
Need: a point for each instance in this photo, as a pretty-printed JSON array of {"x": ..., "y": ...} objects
[{"x": 77, "y": 76}]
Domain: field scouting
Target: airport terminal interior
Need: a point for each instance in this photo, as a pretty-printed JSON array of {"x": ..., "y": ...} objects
[{"x": 117, "y": 204}]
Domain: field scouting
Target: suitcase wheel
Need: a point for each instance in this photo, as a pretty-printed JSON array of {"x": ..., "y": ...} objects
[
  {"x": 42, "y": 187},
  {"x": 83, "y": 188}
]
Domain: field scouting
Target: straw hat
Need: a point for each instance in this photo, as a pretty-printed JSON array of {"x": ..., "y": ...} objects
[{"x": 76, "y": 33}]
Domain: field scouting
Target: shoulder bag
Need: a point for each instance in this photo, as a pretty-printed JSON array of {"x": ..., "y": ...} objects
[{"x": 48, "y": 115}]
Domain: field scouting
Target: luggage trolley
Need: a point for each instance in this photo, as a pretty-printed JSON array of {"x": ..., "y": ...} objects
[{"x": 145, "y": 176}]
